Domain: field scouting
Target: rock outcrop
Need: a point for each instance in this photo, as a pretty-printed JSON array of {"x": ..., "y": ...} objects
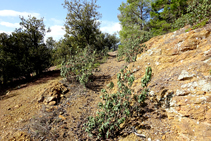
[
  {"x": 181, "y": 81},
  {"x": 52, "y": 95}
]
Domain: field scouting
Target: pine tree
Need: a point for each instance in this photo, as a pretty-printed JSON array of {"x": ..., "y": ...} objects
[
  {"x": 82, "y": 21},
  {"x": 133, "y": 17}
]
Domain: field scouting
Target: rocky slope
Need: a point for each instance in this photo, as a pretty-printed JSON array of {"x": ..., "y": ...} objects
[
  {"x": 178, "y": 107},
  {"x": 181, "y": 81}
]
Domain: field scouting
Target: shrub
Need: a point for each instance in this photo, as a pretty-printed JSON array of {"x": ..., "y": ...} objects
[
  {"x": 118, "y": 107},
  {"x": 81, "y": 64},
  {"x": 129, "y": 50},
  {"x": 198, "y": 11}
]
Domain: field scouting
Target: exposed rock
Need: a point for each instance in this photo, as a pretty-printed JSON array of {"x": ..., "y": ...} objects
[
  {"x": 54, "y": 93},
  {"x": 185, "y": 75},
  {"x": 20, "y": 136},
  {"x": 17, "y": 106},
  {"x": 181, "y": 81},
  {"x": 52, "y": 103},
  {"x": 182, "y": 92},
  {"x": 62, "y": 117},
  {"x": 40, "y": 98},
  {"x": 51, "y": 98},
  {"x": 113, "y": 54}
]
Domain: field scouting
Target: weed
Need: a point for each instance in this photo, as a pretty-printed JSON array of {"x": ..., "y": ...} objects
[
  {"x": 198, "y": 25},
  {"x": 198, "y": 13},
  {"x": 130, "y": 50},
  {"x": 80, "y": 64},
  {"x": 117, "y": 108}
]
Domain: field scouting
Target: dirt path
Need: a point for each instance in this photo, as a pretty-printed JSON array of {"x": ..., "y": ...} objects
[
  {"x": 23, "y": 117},
  {"x": 18, "y": 106},
  {"x": 20, "y": 111}
]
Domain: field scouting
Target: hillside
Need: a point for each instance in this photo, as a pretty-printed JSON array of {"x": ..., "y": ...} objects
[
  {"x": 181, "y": 82},
  {"x": 177, "y": 108}
]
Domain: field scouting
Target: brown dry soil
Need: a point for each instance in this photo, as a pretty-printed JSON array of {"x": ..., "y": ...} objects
[{"x": 23, "y": 118}]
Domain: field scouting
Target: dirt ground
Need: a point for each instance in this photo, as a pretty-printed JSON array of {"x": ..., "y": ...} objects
[{"x": 22, "y": 117}]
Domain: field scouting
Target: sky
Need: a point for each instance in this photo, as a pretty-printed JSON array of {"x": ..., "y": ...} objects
[{"x": 54, "y": 15}]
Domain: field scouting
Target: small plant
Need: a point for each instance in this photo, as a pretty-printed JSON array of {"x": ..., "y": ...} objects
[
  {"x": 110, "y": 85},
  {"x": 81, "y": 64},
  {"x": 145, "y": 80},
  {"x": 118, "y": 107},
  {"x": 201, "y": 24},
  {"x": 198, "y": 13},
  {"x": 189, "y": 29},
  {"x": 130, "y": 50},
  {"x": 198, "y": 25}
]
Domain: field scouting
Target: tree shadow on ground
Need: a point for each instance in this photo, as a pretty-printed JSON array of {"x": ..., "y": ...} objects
[
  {"x": 7, "y": 96},
  {"x": 97, "y": 82},
  {"x": 23, "y": 82}
]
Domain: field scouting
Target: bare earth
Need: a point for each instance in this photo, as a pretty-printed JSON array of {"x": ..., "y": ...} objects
[{"x": 22, "y": 117}]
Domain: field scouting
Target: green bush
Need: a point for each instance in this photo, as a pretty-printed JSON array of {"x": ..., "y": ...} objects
[
  {"x": 81, "y": 64},
  {"x": 117, "y": 108},
  {"x": 130, "y": 49},
  {"x": 198, "y": 13}
]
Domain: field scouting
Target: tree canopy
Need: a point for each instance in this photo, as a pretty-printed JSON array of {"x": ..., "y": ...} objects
[
  {"x": 82, "y": 21},
  {"x": 24, "y": 50},
  {"x": 133, "y": 17},
  {"x": 143, "y": 19}
]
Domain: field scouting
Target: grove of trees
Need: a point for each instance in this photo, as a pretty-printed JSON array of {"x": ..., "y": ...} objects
[
  {"x": 83, "y": 40},
  {"x": 144, "y": 19},
  {"x": 23, "y": 51}
]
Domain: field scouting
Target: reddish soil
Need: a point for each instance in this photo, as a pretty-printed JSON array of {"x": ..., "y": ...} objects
[{"x": 23, "y": 118}]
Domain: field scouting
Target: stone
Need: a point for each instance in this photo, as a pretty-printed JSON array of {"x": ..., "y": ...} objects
[
  {"x": 17, "y": 106},
  {"x": 163, "y": 137},
  {"x": 62, "y": 117},
  {"x": 19, "y": 136},
  {"x": 181, "y": 65},
  {"x": 185, "y": 75},
  {"x": 51, "y": 98},
  {"x": 208, "y": 116},
  {"x": 40, "y": 99},
  {"x": 52, "y": 103},
  {"x": 182, "y": 92},
  {"x": 65, "y": 90}
]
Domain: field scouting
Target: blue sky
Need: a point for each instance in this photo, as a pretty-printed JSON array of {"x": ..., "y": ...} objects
[{"x": 54, "y": 15}]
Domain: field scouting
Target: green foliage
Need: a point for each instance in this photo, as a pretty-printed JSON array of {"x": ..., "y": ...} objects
[
  {"x": 198, "y": 10},
  {"x": 35, "y": 29},
  {"x": 96, "y": 65},
  {"x": 164, "y": 13},
  {"x": 148, "y": 74},
  {"x": 24, "y": 50},
  {"x": 63, "y": 50},
  {"x": 145, "y": 19},
  {"x": 130, "y": 49},
  {"x": 117, "y": 108},
  {"x": 134, "y": 13},
  {"x": 82, "y": 21},
  {"x": 198, "y": 25},
  {"x": 133, "y": 19},
  {"x": 198, "y": 13},
  {"x": 80, "y": 64},
  {"x": 105, "y": 41}
]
